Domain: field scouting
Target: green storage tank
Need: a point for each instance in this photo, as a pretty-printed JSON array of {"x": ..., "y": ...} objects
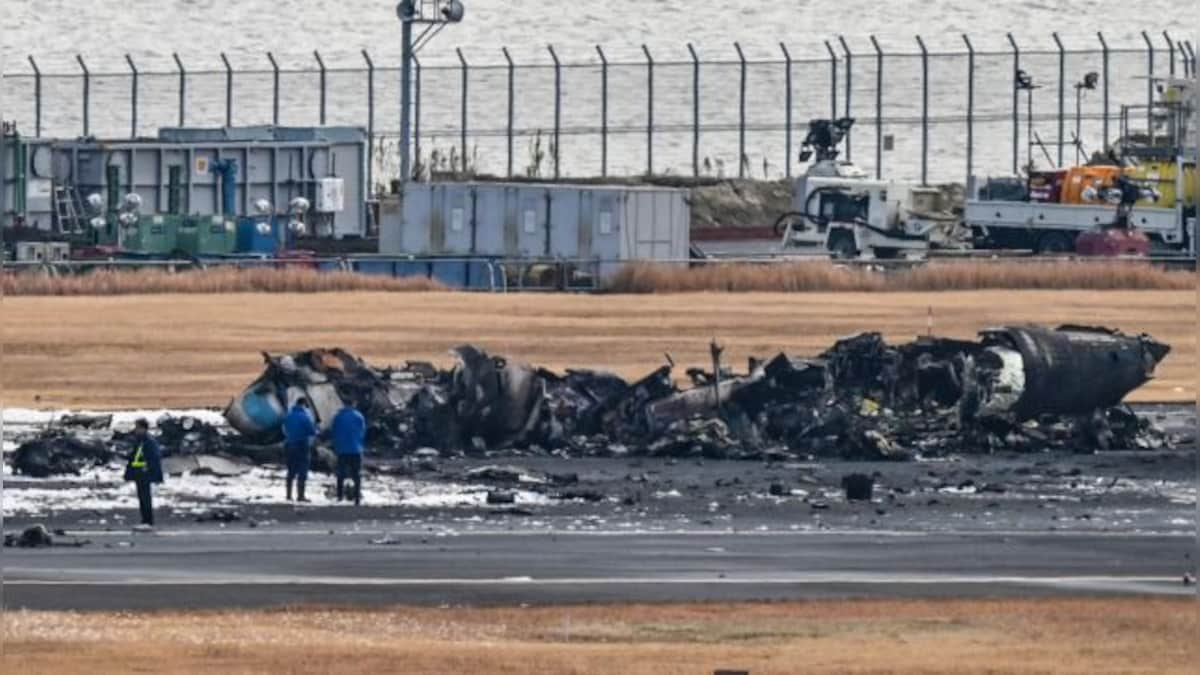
[
  {"x": 153, "y": 235},
  {"x": 207, "y": 236}
]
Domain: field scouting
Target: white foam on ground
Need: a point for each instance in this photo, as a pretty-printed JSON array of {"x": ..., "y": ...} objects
[{"x": 103, "y": 489}]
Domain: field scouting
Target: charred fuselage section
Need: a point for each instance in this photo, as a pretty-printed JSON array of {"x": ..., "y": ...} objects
[{"x": 1017, "y": 387}]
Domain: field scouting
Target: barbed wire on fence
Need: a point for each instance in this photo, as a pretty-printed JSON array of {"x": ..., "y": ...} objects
[{"x": 934, "y": 115}]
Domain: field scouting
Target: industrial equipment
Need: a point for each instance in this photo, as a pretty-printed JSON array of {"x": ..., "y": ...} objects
[
  {"x": 189, "y": 171},
  {"x": 1159, "y": 165},
  {"x": 837, "y": 209}
]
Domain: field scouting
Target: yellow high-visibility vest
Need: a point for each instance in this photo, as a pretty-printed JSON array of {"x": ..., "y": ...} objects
[{"x": 139, "y": 459}]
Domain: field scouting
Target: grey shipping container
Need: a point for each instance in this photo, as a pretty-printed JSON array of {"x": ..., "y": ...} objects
[
  {"x": 611, "y": 224},
  {"x": 172, "y": 173}
]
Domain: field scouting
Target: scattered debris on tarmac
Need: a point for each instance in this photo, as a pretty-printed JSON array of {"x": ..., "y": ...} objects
[{"x": 1015, "y": 389}]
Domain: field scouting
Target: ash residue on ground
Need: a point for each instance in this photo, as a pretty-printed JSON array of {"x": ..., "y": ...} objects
[{"x": 1023, "y": 428}]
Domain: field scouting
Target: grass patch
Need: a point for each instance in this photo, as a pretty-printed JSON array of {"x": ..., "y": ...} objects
[
  {"x": 209, "y": 281},
  {"x": 822, "y": 276},
  {"x": 1046, "y": 635},
  {"x": 201, "y": 349}
]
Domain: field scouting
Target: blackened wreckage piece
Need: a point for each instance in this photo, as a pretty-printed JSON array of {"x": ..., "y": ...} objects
[{"x": 1017, "y": 387}]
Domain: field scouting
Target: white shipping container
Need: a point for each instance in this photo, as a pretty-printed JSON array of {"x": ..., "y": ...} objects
[{"x": 608, "y": 224}]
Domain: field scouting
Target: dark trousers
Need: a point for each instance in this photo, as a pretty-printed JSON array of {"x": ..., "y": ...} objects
[
  {"x": 350, "y": 466},
  {"x": 297, "y": 469},
  {"x": 145, "y": 502}
]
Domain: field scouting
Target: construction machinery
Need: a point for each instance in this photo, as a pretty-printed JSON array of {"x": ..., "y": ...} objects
[
  {"x": 1157, "y": 165},
  {"x": 837, "y": 209}
]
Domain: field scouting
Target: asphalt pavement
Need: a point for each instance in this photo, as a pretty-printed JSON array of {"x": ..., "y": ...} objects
[{"x": 193, "y": 568}]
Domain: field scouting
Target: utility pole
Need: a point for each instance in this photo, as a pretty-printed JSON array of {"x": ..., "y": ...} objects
[{"x": 434, "y": 15}]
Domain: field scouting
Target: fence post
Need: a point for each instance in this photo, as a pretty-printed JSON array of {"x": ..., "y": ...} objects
[
  {"x": 787, "y": 96},
  {"x": 1191, "y": 55},
  {"x": 133, "y": 97},
  {"x": 37, "y": 97},
  {"x": 1105, "y": 58},
  {"x": 849, "y": 82},
  {"x": 1149, "y": 82},
  {"x": 275, "y": 88},
  {"x": 321, "y": 67},
  {"x": 743, "y": 160},
  {"x": 695, "y": 110},
  {"x": 833, "y": 81},
  {"x": 87, "y": 86},
  {"x": 603, "y": 111},
  {"x": 462, "y": 125},
  {"x": 878, "y": 108},
  {"x": 228, "y": 90},
  {"x": 924, "y": 111},
  {"x": 970, "y": 183},
  {"x": 416, "y": 118},
  {"x": 370, "y": 121},
  {"x": 649, "y": 111},
  {"x": 557, "y": 108},
  {"x": 182, "y": 90},
  {"x": 512, "y": 75},
  {"x": 1016, "y": 107},
  {"x": 1062, "y": 77},
  {"x": 1171, "y": 51}
]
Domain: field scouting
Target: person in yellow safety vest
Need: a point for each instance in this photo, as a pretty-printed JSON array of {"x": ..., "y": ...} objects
[{"x": 144, "y": 468}]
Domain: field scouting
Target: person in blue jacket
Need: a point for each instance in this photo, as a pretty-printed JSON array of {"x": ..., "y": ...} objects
[
  {"x": 144, "y": 468},
  {"x": 349, "y": 433},
  {"x": 299, "y": 431}
]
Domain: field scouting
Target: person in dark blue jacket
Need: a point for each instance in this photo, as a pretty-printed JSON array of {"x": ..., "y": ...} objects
[
  {"x": 144, "y": 468},
  {"x": 349, "y": 433},
  {"x": 299, "y": 430}
]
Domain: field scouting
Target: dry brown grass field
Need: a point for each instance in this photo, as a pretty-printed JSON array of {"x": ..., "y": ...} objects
[
  {"x": 948, "y": 636},
  {"x": 806, "y": 276},
  {"x": 200, "y": 349}
]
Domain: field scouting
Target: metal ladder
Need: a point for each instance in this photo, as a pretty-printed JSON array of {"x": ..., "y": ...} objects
[{"x": 67, "y": 208}]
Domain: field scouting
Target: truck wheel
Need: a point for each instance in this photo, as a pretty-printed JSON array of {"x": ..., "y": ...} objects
[
  {"x": 841, "y": 245},
  {"x": 1055, "y": 243},
  {"x": 789, "y": 218}
]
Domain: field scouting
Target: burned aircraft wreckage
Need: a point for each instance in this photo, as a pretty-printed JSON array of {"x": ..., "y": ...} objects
[{"x": 1017, "y": 389}]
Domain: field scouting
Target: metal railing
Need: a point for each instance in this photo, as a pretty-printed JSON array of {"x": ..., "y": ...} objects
[{"x": 934, "y": 115}]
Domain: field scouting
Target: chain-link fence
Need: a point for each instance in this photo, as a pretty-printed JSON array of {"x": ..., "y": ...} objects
[{"x": 922, "y": 114}]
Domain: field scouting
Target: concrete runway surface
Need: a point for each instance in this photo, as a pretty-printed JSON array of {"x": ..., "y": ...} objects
[{"x": 190, "y": 568}]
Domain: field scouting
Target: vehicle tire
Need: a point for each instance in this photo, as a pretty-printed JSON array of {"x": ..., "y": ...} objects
[
  {"x": 1055, "y": 243},
  {"x": 783, "y": 221},
  {"x": 841, "y": 245}
]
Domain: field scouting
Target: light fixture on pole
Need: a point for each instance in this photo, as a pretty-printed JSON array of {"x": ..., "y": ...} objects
[
  {"x": 1025, "y": 83},
  {"x": 434, "y": 15},
  {"x": 1088, "y": 83}
]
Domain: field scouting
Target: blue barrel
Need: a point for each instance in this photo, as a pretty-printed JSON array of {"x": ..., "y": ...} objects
[{"x": 257, "y": 235}]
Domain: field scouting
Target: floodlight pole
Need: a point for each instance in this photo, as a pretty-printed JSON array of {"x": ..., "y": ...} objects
[
  {"x": 407, "y": 10},
  {"x": 412, "y": 12}
]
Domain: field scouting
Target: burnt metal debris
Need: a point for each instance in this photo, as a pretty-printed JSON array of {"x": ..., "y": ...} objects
[
  {"x": 1014, "y": 389},
  {"x": 1022, "y": 388}
]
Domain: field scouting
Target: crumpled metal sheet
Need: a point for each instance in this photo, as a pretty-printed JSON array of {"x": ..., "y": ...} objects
[{"x": 1017, "y": 387}]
